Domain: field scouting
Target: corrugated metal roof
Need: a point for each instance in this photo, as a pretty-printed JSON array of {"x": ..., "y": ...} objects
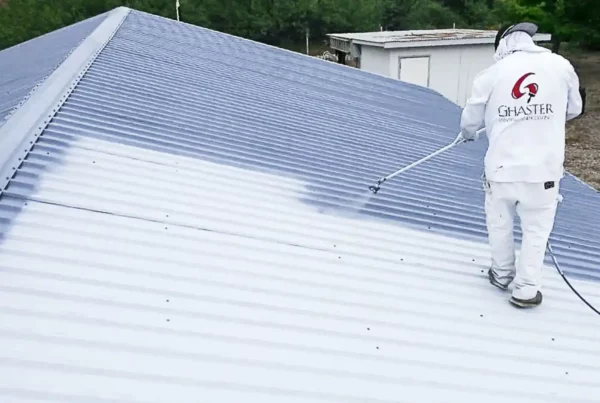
[
  {"x": 189, "y": 226},
  {"x": 26, "y": 65}
]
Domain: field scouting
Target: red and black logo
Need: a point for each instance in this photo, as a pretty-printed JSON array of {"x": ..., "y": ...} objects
[{"x": 519, "y": 90}]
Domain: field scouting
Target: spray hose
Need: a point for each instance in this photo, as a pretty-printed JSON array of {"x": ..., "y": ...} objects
[{"x": 555, "y": 261}]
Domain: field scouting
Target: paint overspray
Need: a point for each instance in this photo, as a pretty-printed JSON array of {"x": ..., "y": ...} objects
[{"x": 361, "y": 201}]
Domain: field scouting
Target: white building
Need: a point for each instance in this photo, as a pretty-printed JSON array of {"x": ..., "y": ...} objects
[{"x": 444, "y": 60}]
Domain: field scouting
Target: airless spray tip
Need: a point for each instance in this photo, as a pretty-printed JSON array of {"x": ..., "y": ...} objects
[{"x": 375, "y": 188}]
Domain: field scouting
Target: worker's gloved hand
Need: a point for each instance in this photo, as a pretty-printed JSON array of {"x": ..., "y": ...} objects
[{"x": 470, "y": 136}]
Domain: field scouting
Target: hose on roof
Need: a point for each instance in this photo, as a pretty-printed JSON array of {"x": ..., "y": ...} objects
[{"x": 567, "y": 281}]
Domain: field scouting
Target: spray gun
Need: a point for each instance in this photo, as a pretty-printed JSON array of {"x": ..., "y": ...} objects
[{"x": 459, "y": 140}]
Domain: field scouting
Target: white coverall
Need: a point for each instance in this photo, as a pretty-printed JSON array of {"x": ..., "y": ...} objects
[{"x": 524, "y": 100}]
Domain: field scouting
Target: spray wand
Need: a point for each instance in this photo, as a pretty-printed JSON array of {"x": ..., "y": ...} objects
[{"x": 458, "y": 140}]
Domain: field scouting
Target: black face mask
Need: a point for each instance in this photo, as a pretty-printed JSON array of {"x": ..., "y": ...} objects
[{"x": 500, "y": 34}]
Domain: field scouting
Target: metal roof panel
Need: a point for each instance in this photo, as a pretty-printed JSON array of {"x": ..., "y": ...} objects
[{"x": 25, "y": 66}]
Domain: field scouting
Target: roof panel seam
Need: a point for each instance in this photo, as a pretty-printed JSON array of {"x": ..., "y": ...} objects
[{"x": 20, "y": 133}]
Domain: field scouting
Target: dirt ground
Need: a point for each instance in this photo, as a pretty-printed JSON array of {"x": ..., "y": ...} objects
[{"x": 583, "y": 134}]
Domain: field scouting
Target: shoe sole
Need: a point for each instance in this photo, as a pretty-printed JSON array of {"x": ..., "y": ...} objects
[
  {"x": 524, "y": 305},
  {"x": 532, "y": 303}
]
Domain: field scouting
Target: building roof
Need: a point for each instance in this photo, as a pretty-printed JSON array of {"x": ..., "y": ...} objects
[
  {"x": 187, "y": 216},
  {"x": 26, "y": 65},
  {"x": 423, "y": 38}
]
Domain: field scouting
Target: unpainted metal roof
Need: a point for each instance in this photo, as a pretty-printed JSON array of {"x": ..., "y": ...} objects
[
  {"x": 25, "y": 66},
  {"x": 193, "y": 223}
]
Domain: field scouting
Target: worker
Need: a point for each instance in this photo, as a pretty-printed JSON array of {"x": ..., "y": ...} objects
[{"x": 524, "y": 100}]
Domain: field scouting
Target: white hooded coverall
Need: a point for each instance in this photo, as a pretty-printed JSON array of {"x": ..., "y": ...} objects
[{"x": 524, "y": 101}]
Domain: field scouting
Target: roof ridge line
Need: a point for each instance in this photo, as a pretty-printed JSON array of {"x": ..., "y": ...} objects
[{"x": 24, "y": 127}]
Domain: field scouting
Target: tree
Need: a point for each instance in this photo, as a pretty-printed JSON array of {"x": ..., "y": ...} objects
[
  {"x": 285, "y": 22},
  {"x": 418, "y": 14},
  {"x": 567, "y": 20}
]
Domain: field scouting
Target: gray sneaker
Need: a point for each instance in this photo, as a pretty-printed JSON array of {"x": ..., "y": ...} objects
[
  {"x": 495, "y": 282},
  {"x": 527, "y": 303}
]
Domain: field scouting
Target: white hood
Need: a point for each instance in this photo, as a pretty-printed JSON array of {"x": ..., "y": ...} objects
[{"x": 517, "y": 41}]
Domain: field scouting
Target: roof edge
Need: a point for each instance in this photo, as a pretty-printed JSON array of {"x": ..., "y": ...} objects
[
  {"x": 454, "y": 42},
  {"x": 21, "y": 131},
  {"x": 396, "y": 44}
]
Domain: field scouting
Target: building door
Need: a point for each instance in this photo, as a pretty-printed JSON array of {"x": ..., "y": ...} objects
[{"x": 414, "y": 70}]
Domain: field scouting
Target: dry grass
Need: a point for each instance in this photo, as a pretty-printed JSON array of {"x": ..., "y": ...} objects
[{"x": 583, "y": 134}]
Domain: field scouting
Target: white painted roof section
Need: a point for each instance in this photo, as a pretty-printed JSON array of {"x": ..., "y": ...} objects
[
  {"x": 423, "y": 38},
  {"x": 191, "y": 226}
]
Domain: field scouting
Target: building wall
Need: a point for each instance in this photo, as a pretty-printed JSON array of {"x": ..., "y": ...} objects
[
  {"x": 375, "y": 60},
  {"x": 451, "y": 68},
  {"x": 475, "y": 59}
]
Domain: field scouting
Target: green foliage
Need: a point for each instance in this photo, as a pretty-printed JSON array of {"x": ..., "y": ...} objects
[
  {"x": 418, "y": 14},
  {"x": 575, "y": 21},
  {"x": 285, "y": 22}
]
